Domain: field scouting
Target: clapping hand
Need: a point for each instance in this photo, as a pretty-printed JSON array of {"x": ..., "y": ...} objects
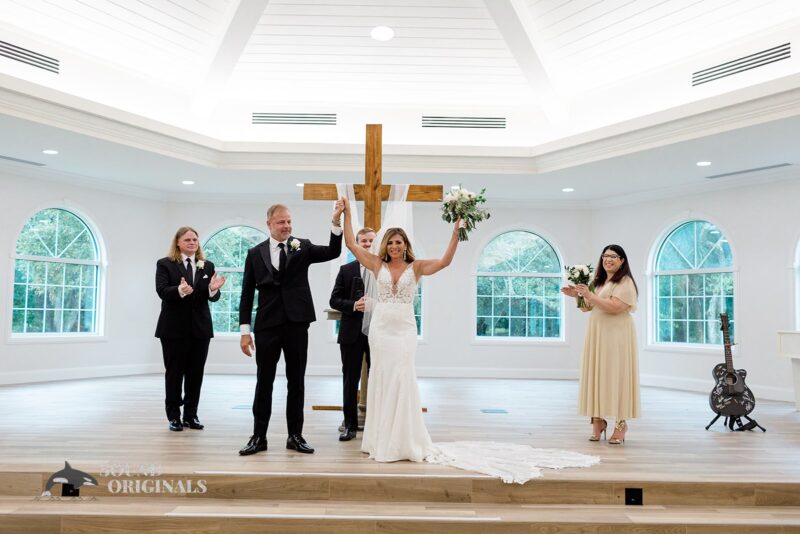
[
  {"x": 216, "y": 282},
  {"x": 185, "y": 288},
  {"x": 570, "y": 291}
]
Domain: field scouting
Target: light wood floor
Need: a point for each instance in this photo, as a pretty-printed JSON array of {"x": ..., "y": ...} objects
[{"x": 120, "y": 421}]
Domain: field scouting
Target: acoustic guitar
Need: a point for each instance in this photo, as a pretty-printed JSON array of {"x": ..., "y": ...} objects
[{"x": 730, "y": 397}]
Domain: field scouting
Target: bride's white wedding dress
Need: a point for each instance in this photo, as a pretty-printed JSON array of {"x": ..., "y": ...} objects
[{"x": 394, "y": 429}]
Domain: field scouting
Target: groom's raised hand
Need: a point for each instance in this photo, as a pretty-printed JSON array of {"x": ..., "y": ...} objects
[{"x": 338, "y": 209}]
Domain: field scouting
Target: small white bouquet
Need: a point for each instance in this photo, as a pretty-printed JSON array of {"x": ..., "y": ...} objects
[
  {"x": 580, "y": 274},
  {"x": 462, "y": 204}
]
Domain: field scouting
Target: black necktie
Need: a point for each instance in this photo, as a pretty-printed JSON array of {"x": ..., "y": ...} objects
[
  {"x": 189, "y": 274},
  {"x": 282, "y": 259}
]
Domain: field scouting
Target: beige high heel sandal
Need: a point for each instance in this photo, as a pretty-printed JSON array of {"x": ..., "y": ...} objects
[
  {"x": 621, "y": 426},
  {"x": 596, "y": 437}
]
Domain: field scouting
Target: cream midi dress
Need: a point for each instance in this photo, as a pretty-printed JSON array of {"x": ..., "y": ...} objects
[{"x": 609, "y": 385}]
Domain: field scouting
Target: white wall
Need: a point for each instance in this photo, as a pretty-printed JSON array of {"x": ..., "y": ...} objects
[
  {"x": 127, "y": 226},
  {"x": 762, "y": 228},
  {"x": 760, "y": 223}
]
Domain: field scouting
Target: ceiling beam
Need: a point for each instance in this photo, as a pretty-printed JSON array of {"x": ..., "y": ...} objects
[
  {"x": 244, "y": 18},
  {"x": 515, "y": 23}
]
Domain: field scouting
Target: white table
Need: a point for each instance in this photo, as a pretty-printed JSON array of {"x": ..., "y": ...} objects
[{"x": 789, "y": 347}]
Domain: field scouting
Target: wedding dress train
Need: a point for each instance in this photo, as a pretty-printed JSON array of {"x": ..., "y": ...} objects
[{"x": 395, "y": 430}]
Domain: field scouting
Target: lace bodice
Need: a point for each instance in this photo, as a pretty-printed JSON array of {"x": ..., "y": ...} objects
[{"x": 405, "y": 290}]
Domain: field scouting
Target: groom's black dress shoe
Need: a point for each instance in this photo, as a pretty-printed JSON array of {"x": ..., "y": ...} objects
[
  {"x": 193, "y": 423},
  {"x": 175, "y": 425},
  {"x": 256, "y": 444},
  {"x": 297, "y": 443},
  {"x": 348, "y": 434}
]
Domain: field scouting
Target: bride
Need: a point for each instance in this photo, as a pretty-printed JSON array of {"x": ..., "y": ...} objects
[{"x": 394, "y": 429}]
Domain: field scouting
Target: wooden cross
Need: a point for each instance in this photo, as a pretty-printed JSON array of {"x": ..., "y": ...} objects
[{"x": 373, "y": 193}]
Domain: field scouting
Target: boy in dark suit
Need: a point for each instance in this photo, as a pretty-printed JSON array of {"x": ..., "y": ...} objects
[{"x": 353, "y": 344}]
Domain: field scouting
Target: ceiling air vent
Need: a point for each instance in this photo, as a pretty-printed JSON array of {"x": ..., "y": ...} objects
[
  {"x": 25, "y": 161},
  {"x": 316, "y": 119},
  {"x": 746, "y": 171},
  {"x": 29, "y": 57},
  {"x": 759, "y": 59},
  {"x": 430, "y": 121}
]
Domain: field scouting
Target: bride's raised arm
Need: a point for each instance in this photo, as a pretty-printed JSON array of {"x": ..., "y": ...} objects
[
  {"x": 364, "y": 256},
  {"x": 427, "y": 267}
]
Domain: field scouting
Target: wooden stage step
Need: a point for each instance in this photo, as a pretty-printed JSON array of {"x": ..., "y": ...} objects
[
  {"x": 125, "y": 514},
  {"x": 398, "y": 488}
]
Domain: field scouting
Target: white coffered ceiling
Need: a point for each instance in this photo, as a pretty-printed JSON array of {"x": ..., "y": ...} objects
[{"x": 174, "y": 84}]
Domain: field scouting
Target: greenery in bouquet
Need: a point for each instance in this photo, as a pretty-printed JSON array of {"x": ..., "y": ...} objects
[
  {"x": 462, "y": 204},
  {"x": 580, "y": 274}
]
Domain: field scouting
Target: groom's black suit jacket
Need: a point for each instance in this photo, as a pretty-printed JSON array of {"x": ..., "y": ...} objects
[
  {"x": 188, "y": 316},
  {"x": 342, "y": 299},
  {"x": 285, "y": 298}
]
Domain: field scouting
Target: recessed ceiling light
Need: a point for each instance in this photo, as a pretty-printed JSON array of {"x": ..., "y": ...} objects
[
  {"x": 382, "y": 33},
  {"x": 703, "y": 163},
  {"x": 299, "y": 185},
  {"x": 568, "y": 189},
  {"x": 188, "y": 182},
  {"x": 50, "y": 151}
]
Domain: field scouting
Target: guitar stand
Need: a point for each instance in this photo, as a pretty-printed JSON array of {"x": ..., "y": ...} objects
[{"x": 731, "y": 421}]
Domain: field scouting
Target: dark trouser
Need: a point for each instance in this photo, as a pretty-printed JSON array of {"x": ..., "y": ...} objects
[
  {"x": 292, "y": 339},
  {"x": 184, "y": 361},
  {"x": 352, "y": 356}
]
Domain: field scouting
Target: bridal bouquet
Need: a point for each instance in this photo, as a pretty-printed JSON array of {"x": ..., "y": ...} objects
[
  {"x": 462, "y": 204},
  {"x": 580, "y": 274}
]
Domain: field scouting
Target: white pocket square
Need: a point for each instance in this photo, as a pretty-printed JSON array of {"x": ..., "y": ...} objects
[{"x": 206, "y": 276}]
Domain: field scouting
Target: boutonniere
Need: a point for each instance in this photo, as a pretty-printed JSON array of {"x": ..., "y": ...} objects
[
  {"x": 294, "y": 245},
  {"x": 200, "y": 264}
]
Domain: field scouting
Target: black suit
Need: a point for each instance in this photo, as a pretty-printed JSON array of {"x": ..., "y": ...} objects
[
  {"x": 352, "y": 342},
  {"x": 285, "y": 310},
  {"x": 185, "y": 329}
]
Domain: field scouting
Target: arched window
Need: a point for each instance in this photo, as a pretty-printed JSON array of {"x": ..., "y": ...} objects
[
  {"x": 56, "y": 276},
  {"x": 518, "y": 288},
  {"x": 693, "y": 285},
  {"x": 228, "y": 250}
]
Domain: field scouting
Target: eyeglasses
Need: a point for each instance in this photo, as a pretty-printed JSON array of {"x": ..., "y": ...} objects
[{"x": 610, "y": 257}]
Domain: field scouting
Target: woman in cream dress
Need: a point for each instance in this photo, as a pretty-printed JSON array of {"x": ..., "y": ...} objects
[{"x": 609, "y": 386}]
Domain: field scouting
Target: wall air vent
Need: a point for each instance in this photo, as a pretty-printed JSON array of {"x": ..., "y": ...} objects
[
  {"x": 729, "y": 68},
  {"x": 431, "y": 121},
  {"x": 29, "y": 57},
  {"x": 315, "y": 119},
  {"x": 746, "y": 171},
  {"x": 25, "y": 161}
]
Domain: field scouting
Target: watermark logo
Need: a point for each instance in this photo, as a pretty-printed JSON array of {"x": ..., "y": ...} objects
[
  {"x": 71, "y": 480},
  {"x": 127, "y": 479},
  {"x": 121, "y": 479}
]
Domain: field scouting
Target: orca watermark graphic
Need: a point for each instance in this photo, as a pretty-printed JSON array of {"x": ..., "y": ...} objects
[{"x": 71, "y": 481}]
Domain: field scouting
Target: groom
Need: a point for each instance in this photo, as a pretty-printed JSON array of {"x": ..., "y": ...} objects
[{"x": 278, "y": 268}]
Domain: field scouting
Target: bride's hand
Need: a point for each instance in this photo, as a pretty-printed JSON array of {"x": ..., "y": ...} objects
[{"x": 346, "y": 204}]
